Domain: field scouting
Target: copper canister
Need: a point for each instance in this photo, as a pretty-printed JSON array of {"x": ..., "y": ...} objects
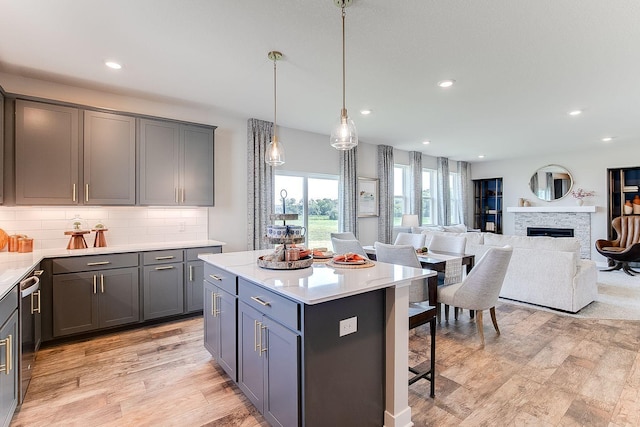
[
  {"x": 13, "y": 242},
  {"x": 25, "y": 244}
]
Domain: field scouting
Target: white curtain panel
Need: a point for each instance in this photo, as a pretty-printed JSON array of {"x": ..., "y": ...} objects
[
  {"x": 444, "y": 192},
  {"x": 415, "y": 201},
  {"x": 385, "y": 174},
  {"x": 260, "y": 181},
  {"x": 348, "y": 191}
]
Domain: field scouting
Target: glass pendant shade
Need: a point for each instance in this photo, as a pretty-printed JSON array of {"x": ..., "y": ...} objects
[
  {"x": 344, "y": 135},
  {"x": 274, "y": 155}
]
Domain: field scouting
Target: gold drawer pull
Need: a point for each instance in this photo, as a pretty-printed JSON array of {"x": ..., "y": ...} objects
[
  {"x": 259, "y": 301},
  {"x": 168, "y": 267},
  {"x": 159, "y": 258},
  {"x": 214, "y": 277},
  {"x": 98, "y": 263},
  {"x": 6, "y": 367}
]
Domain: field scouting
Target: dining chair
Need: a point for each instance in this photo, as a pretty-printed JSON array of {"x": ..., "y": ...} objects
[
  {"x": 480, "y": 289},
  {"x": 413, "y": 239},
  {"x": 442, "y": 243},
  {"x": 343, "y": 246},
  {"x": 420, "y": 311},
  {"x": 346, "y": 235}
]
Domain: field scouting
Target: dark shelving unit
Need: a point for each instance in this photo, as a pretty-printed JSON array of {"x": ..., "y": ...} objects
[{"x": 488, "y": 205}]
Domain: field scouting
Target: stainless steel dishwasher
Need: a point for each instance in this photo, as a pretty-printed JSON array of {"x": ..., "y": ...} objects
[{"x": 30, "y": 327}]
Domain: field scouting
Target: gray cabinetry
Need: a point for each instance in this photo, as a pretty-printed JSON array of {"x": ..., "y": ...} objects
[
  {"x": 109, "y": 159},
  {"x": 220, "y": 308},
  {"x": 195, "y": 276},
  {"x": 1, "y": 146},
  {"x": 93, "y": 300},
  {"x": 175, "y": 164},
  {"x": 47, "y": 142},
  {"x": 9, "y": 346},
  {"x": 163, "y": 283},
  {"x": 269, "y": 353}
]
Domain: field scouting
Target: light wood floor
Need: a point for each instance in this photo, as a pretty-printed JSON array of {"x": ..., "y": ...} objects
[{"x": 544, "y": 370}]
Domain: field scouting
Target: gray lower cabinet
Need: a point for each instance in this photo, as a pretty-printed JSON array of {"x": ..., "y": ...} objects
[
  {"x": 175, "y": 163},
  {"x": 269, "y": 354},
  {"x": 163, "y": 283},
  {"x": 109, "y": 159},
  {"x": 220, "y": 308},
  {"x": 9, "y": 347},
  {"x": 195, "y": 276},
  {"x": 88, "y": 301},
  {"x": 46, "y": 154}
]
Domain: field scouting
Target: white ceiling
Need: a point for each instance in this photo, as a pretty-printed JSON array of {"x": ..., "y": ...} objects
[{"x": 519, "y": 65}]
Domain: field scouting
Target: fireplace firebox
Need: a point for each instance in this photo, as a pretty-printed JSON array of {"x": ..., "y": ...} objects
[{"x": 547, "y": 231}]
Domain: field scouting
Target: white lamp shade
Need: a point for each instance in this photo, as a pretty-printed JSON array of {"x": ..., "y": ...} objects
[
  {"x": 410, "y": 221},
  {"x": 344, "y": 135}
]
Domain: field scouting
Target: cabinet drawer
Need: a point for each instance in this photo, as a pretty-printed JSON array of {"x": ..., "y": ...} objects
[
  {"x": 94, "y": 262},
  {"x": 277, "y": 307},
  {"x": 161, "y": 257},
  {"x": 8, "y": 304},
  {"x": 192, "y": 253},
  {"x": 221, "y": 278}
]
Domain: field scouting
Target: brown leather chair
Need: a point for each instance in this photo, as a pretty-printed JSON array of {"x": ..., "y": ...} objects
[{"x": 626, "y": 248}]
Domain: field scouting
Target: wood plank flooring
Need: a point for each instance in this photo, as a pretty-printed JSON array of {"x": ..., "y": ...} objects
[{"x": 545, "y": 369}]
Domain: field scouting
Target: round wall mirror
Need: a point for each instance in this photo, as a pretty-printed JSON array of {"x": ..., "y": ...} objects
[{"x": 551, "y": 182}]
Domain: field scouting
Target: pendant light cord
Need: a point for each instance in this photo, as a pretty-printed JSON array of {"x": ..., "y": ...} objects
[
  {"x": 274, "y": 99},
  {"x": 344, "y": 108}
]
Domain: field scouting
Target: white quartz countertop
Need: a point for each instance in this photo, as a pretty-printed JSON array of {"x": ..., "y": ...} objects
[
  {"x": 318, "y": 283},
  {"x": 14, "y": 266}
]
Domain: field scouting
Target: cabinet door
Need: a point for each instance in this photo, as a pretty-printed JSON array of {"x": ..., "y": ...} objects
[
  {"x": 75, "y": 303},
  {"x": 193, "y": 285},
  {"x": 9, "y": 378},
  {"x": 250, "y": 359},
  {"x": 119, "y": 296},
  {"x": 109, "y": 159},
  {"x": 211, "y": 324},
  {"x": 163, "y": 290},
  {"x": 196, "y": 166},
  {"x": 281, "y": 405},
  {"x": 159, "y": 146},
  {"x": 1, "y": 146},
  {"x": 46, "y": 154},
  {"x": 227, "y": 310}
]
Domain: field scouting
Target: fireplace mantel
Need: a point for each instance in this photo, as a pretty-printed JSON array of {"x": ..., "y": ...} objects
[{"x": 528, "y": 209}]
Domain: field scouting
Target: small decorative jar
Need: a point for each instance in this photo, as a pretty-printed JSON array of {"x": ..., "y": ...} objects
[
  {"x": 636, "y": 205},
  {"x": 628, "y": 209},
  {"x": 25, "y": 244}
]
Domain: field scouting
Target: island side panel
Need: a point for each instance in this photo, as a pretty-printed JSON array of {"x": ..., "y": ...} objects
[{"x": 344, "y": 377}]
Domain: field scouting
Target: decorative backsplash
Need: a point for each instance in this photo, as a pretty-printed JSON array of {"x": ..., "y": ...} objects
[{"x": 126, "y": 225}]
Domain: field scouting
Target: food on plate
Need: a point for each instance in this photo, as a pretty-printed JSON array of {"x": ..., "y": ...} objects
[
  {"x": 322, "y": 253},
  {"x": 348, "y": 257},
  {"x": 422, "y": 250}
]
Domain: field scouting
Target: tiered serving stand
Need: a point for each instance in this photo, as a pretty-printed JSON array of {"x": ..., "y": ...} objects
[{"x": 284, "y": 241}]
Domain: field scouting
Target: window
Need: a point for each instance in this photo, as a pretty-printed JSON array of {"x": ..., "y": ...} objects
[
  {"x": 455, "y": 189},
  {"x": 315, "y": 199},
  {"x": 400, "y": 193},
  {"x": 429, "y": 185}
]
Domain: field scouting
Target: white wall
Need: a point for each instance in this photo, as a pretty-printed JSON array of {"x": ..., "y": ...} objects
[{"x": 589, "y": 171}]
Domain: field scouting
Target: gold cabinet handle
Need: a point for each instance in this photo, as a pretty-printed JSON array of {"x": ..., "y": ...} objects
[
  {"x": 263, "y": 347},
  {"x": 191, "y": 273},
  {"x": 35, "y": 295},
  {"x": 256, "y": 331},
  {"x": 38, "y": 272},
  {"x": 102, "y": 283},
  {"x": 6, "y": 367},
  {"x": 95, "y": 289},
  {"x": 86, "y": 192},
  {"x": 259, "y": 301},
  {"x": 91, "y": 264},
  {"x": 182, "y": 198},
  {"x": 166, "y": 267},
  {"x": 213, "y": 304},
  {"x": 73, "y": 193},
  {"x": 176, "y": 194},
  {"x": 160, "y": 258},
  {"x": 214, "y": 277},
  {"x": 39, "y": 304}
]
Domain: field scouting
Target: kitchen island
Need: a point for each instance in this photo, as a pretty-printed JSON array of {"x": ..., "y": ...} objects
[{"x": 316, "y": 346}]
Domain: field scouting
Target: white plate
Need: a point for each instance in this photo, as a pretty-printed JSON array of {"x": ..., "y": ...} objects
[{"x": 360, "y": 262}]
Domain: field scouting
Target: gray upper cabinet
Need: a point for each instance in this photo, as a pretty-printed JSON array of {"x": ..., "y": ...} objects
[
  {"x": 175, "y": 164},
  {"x": 47, "y": 142},
  {"x": 109, "y": 159}
]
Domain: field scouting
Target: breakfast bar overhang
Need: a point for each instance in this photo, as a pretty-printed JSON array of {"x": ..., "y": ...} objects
[{"x": 325, "y": 296}]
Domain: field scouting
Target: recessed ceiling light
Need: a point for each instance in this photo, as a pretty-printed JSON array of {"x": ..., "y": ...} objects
[
  {"x": 575, "y": 112},
  {"x": 426, "y": 142},
  {"x": 446, "y": 83},
  {"x": 113, "y": 65},
  {"x": 607, "y": 139},
  {"x": 365, "y": 112},
  {"x": 481, "y": 156}
]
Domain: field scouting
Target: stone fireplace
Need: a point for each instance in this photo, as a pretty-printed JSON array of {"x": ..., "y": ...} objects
[{"x": 576, "y": 218}]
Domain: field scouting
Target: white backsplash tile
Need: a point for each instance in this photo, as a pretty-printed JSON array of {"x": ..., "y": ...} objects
[{"x": 125, "y": 225}]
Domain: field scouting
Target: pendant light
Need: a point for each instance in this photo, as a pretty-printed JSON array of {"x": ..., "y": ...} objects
[
  {"x": 344, "y": 135},
  {"x": 274, "y": 155}
]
